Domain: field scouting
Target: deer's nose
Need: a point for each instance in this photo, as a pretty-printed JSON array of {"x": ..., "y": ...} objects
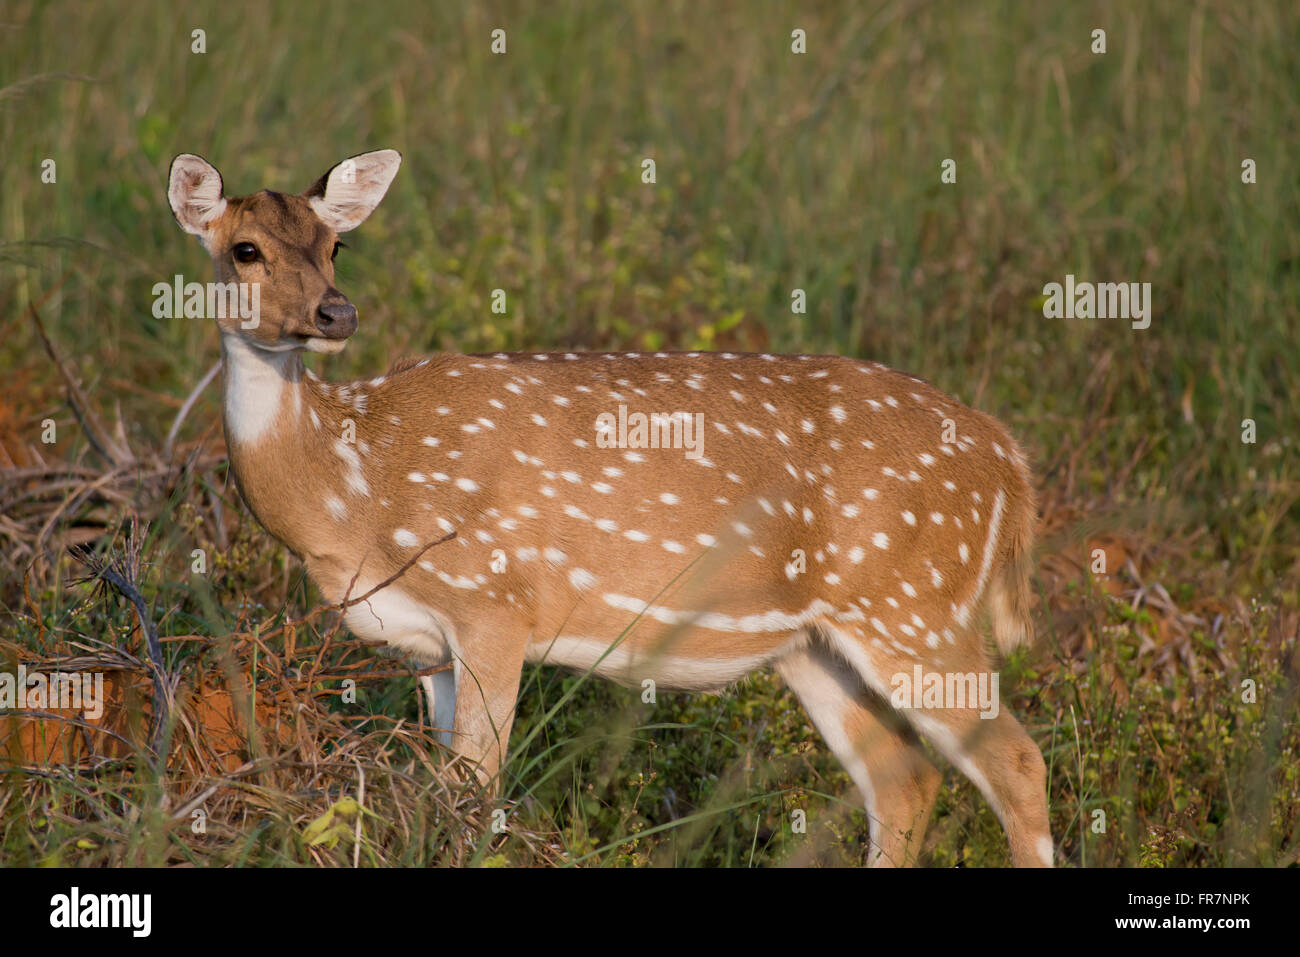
[{"x": 336, "y": 320}]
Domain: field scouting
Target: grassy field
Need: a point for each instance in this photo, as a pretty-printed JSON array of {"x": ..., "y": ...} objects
[{"x": 1163, "y": 693}]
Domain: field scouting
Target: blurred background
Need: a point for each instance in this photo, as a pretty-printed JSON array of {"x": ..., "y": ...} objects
[{"x": 775, "y": 171}]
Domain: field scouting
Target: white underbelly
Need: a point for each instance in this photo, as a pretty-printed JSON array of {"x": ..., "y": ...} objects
[{"x": 633, "y": 667}]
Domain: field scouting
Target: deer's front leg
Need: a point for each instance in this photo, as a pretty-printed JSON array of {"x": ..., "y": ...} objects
[{"x": 486, "y": 689}]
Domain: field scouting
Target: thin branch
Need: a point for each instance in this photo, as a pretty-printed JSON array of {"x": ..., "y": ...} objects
[
  {"x": 122, "y": 574},
  {"x": 95, "y": 431},
  {"x": 185, "y": 409},
  {"x": 349, "y": 602}
]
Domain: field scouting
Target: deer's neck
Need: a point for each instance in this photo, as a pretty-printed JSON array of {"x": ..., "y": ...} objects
[
  {"x": 282, "y": 429},
  {"x": 261, "y": 389}
]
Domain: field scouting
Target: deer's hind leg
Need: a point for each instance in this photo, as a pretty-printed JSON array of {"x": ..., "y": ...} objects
[
  {"x": 882, "y": 754},
  {"x": 987, "y": 745}
]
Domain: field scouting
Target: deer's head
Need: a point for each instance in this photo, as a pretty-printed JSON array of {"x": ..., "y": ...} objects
[{"x": 285, "y": 244}]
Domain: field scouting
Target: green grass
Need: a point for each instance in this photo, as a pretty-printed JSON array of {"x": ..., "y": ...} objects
[{"x": 774, "y": 172}]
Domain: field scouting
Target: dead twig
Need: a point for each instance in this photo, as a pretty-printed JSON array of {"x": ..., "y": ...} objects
[
  {"x": 122, "y": 574},
  {"x": 95, "y": 431},
  {"x": 185, "y": 410}
]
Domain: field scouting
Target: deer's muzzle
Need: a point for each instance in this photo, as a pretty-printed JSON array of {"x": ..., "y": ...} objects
[{"x": 336, "y": 320}]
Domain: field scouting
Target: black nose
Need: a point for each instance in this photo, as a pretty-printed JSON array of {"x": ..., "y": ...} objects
[{"x": 336, "y": 320}]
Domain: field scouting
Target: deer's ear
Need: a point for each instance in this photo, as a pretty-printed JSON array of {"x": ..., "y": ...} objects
[
  {"x": 348, "y": 193},
  {"x": 194, "y": 190}
]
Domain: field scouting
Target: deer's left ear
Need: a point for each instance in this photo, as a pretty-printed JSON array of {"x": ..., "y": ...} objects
[{"x": 348, "y": 193}]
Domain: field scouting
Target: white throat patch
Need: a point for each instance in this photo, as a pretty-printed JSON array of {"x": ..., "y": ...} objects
[{"x": 257, "y": 382}]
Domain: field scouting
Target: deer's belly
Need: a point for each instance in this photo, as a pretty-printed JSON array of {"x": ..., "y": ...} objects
[{"x": 681, "y": 660}]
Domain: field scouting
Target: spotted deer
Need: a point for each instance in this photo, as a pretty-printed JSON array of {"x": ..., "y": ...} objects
[{"x": 678, "y": 518}]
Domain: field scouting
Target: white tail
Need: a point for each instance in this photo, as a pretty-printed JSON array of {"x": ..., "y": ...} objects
[{"x": 828, "y": 517}]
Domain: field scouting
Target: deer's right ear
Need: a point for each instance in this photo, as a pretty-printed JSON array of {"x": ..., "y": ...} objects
[{"x": 194, "y": 190}]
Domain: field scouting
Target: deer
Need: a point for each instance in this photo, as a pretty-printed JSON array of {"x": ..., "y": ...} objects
[{"x": 681, "y": 518}]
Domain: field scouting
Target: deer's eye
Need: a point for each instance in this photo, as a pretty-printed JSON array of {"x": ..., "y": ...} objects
[
  {"x": 245, "y": 252},
  {"x": 337, "y": 247}
]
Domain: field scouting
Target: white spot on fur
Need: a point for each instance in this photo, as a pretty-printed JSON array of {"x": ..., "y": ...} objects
[{"x": 581, "y": 579}]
